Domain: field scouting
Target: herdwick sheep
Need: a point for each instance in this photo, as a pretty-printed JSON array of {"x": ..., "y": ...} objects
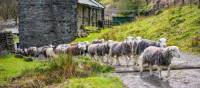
[
  {"x": 158, "y": 56},
  {"x": 118, "y": 49},
  {"x": 46, "y": 51},
  {"x": 83, "y": 47},
  {"x": 50, "y": 52},
  {"x": 103, "y": 50},
  {"x": 142, "y": 44},
  {"x": 32, "y": 51},
  {"x": 62, "y": 48},
  {"x": 99, "y": 49},
  {"x": 92, "y": 50},
  {"x": 77, "y": 49},
  {"x": 97, "y": 41}
]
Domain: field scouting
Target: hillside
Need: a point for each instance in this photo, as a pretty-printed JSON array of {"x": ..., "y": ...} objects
[{"x": 178, "y": 24}]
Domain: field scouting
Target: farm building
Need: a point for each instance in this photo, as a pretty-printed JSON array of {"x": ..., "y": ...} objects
[
  {"x": 89, "y": 13},
  {"x": 44, "y": 22}
]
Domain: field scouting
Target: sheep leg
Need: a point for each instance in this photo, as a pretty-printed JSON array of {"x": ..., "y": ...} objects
[
  {"x": 111, "y": 60},
  {"x": 117, "y": 60},
  {"x": 107, "y": 58},
  {"x": 150, "y": 70},
  {"x": 160, "y": 72},
  {"x": 141, "y": 69},
  {"x": 168, "y": 71},
  {"x": 140, "y": 62},
  {"x": 127, "y": 60},
  {"x": 101, "y": 59}
]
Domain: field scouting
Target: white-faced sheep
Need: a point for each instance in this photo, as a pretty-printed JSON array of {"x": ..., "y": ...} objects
[
  {"x": 96, "y": 41},
  {"x": 62, "y": 48},
  {"x": 32, "y": 51},
  {"x": 46, "y": 51},
  {"x": 139, "y": 45},
  {"x": 158, "y": 56},
  {"x": 118, "y": 49}
]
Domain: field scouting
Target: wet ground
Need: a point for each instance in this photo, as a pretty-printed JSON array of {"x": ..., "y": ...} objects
[{"x": 185, "y": 78}]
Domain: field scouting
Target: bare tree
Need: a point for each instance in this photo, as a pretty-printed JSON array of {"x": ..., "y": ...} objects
[
  {"x": 199, "y": 4},
  {"x": 183, "y": 2}
]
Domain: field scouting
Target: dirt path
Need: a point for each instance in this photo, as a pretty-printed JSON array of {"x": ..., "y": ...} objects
[{"x": 189, "y": 78}]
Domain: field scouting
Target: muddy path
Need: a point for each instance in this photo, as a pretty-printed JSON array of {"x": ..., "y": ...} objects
[{"x": 184, "y": 78}]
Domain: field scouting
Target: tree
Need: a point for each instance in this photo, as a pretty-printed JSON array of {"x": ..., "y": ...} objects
[
  {"x": 199, "y": 4},
  {"x": 128, "y": 7},
  {"x": 183, "y": 2},
  {"x": 8, "y": 9}
]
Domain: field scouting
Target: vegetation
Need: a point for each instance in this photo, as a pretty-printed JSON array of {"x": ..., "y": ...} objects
[
  {"x": 59, "y": 70},
  {"x": 10, "y": 66},
  {"x": 95, "y": 82},
  {"x": 91, "y": 36},
  {"x": 178, "y": 24},
  {"x": 8, "y": 9}
]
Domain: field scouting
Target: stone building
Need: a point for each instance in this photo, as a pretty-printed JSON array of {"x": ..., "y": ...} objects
[
  {"x": 44, "y": 22},
  {"x": 89, "y": 12}
]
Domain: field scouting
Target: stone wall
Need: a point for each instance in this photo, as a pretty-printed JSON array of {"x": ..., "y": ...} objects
[
  {"x": 44, "y": 22},
  {"x": 6, "y": 41}
]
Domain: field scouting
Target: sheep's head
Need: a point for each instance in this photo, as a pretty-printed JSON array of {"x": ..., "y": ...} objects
[
  {"x": 162, "y": 42},
  {"x": 174, "y": 51},
  {"x": 82, "y": 46}
]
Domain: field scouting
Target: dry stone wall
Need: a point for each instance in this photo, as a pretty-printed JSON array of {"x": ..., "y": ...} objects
[{"x": 44, "y": 22}]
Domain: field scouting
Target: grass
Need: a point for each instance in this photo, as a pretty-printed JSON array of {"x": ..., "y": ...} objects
[
  {"x": 105, "y": 2},
  {"x": 91, "y": 36},
  {"x": 12, "y": 67},
  {"x": 180, "y": 25},
  {"x": 16, "y": 38},
  {"x": 59, "y": 70},
  {"x": 95, "y": 82}
]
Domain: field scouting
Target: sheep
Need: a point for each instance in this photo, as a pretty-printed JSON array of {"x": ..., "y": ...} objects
[
  {"x": 103, "y": 50},
  {"x": 118, "y": 49},
  {"x": 46, "y": 51},
  {"x": 158, "y": 56},
  {"x": 62, "y": 48},
  {"x": 99, "y": 49},
  {"x": 141, "y": 44},
  {"x": 92, "y": 50},
  {"x": 32, "y": 51},
  {"x": 50, "y": 52},
  {"x": 97, "y": 41},
  {"x": 144, "y": 43},
  {"x": 83, "y": 47},
  {"x": 77, "y": 49}
]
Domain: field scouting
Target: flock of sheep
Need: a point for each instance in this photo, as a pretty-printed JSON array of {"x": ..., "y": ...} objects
[{"x": 142, "y": 51}]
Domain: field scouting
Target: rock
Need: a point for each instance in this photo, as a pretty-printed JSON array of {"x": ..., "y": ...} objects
[
  {"x": 28, "y": 59},
  {"x": 19, "y": 56}
]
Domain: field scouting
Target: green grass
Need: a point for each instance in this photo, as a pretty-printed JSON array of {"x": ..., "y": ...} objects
[
  {"x": 12, "y": 67},
  {"x": 178, "y": 24},
  {"x": 105, "y": 2},
  {"x": 95, "y": 82},
  {"x": 57, "y": 70},
  {"x": 91, "y": 36}
]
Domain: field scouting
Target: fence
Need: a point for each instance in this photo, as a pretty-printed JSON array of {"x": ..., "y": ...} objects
[{"x": 121, "y": 20}]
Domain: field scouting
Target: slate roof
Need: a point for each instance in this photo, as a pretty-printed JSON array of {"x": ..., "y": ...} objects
[{"x": 91, "y": 3}]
